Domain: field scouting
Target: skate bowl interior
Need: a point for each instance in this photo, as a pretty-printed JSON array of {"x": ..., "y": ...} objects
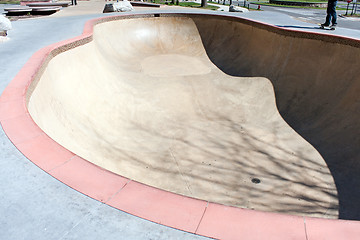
[
  {"x": 215, "y": 108},
  {"x": 212, "y": 109}
]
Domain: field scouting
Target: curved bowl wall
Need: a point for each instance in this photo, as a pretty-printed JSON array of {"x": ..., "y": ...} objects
[{"x": 230, "y": 110}]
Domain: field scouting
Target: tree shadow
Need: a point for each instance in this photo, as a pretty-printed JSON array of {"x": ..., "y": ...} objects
[
  {"x": 310, "y": 92},
  {"x": 217, "y": 158}
]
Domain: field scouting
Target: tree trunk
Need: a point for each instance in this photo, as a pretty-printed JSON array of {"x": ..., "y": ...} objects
[{"x": 203, "y": 3}]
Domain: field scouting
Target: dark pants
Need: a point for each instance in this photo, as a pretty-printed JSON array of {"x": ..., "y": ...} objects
[{"x": 331, "y": 13}]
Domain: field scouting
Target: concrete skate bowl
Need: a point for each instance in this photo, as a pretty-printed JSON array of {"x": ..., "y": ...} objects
[{"x": 224, "y": 112}]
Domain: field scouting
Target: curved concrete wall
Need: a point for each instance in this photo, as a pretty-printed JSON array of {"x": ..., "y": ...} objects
[
  {"x": 294, "y": 176},
  {"x": 317, "y": 84}
]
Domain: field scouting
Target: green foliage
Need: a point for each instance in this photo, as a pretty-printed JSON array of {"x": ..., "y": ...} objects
[
  {"x": 9, "y": 2},
  {"x": 196, "y": 5},
  {"x": 288, "y": 6},
  {"x": 315, "y": 1}
]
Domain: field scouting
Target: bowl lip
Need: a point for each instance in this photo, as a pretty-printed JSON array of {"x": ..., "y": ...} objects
[{"x": 184, "y": 213}]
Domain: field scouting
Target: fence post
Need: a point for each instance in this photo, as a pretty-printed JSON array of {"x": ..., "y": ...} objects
[
  {"x": 355, "y": 6},
  {"x": 352, "y": 10}
]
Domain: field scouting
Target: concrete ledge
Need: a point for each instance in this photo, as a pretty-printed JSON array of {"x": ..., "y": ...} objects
[
  {"x": 17, "y": 11},
  {"x": 49, "y": 4}
]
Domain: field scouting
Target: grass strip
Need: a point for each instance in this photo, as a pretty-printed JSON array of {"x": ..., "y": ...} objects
[{"x": 9, "y": 2}]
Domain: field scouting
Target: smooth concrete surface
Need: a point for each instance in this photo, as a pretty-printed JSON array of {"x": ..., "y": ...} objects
[
  {"x": 143, "y": 100},
  {"x": 19, "y": 177},
  {"x": 33, "y": 204},
  {"x": 316, "y": 82}
]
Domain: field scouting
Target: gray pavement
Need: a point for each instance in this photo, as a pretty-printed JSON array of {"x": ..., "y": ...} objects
[
  {"x": 34, "y": 205},
  {"x": 314, "y": 16},
  {"x": 289, "y": 22}
]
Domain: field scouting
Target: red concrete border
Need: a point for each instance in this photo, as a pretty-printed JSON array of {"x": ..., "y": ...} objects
[{"x": 184, "y": 213}]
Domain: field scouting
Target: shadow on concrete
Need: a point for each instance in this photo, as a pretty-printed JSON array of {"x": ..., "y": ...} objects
[
  {"x": 223, "y": 153},
  {"x": 298, "y": 27},
  {"x": 316, "y": 89},
  {"x": 285, "y": 187}
]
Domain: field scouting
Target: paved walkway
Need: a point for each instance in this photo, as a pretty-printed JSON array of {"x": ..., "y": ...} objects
[{"x": 34, "y": 205}]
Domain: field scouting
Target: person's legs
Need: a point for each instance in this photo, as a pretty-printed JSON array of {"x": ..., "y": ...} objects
[
  {"x": 333, "y": 13},
  {"x": 328, "y": 15}
]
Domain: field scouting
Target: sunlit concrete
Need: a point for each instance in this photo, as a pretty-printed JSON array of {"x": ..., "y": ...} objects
[{"x": 164, "y": 102}]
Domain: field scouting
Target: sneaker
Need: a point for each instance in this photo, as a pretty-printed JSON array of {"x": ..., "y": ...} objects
[{"x": 323, "y": 25}]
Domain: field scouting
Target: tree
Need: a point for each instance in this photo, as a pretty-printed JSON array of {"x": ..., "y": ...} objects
[{"x": 203, "y": 3}]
